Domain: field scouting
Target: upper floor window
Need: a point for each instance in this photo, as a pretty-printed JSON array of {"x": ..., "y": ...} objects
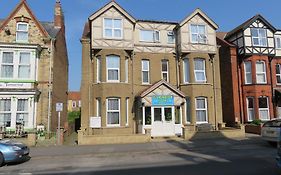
[
  {"x": 260, "y": 72},
  {"x": 165, "y": 70},
  {"x": 22, "y": 32},
  {"x": 186, "y": 70},
  {"x": 113, "y": 68},
  {"x": 149, "y": 35},
  {"x": 278, "y": 42},
  {"x": 259, "y": 37},
  {"x": 248, "y": 72},
  {"x": 98, "y": 69},
  {"x": 16, "y": 65},
  {"x": 278, "y": 73},
  {"x": 113, "y": 28},
  {"x": 145, "y": 71},
  {"x": 198, "y": 33},
  {"x": 199, "y": 70},
  {"x": 171, "y": 37}
]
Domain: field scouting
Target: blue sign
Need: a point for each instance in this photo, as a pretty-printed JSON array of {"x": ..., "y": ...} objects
[{"x": 163, "y": 100}]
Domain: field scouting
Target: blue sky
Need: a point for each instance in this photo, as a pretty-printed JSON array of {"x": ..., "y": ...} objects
[{"x": 226, "y": 13}]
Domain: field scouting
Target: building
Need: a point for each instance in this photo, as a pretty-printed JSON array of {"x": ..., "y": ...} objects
[
  {"x": 143, "y": 76},
  {"x": 250, "y": 71},
  {"x": 74, "y": 101},
  {"x": 33, "y": 70}
]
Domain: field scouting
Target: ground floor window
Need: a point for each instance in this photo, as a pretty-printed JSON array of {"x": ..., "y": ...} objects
[
  {"x": 177, "y": 115},
  {"x": 113, "y": 112},
  {"x": 250, "y": 108},
  {"x": 201, "y": 110},
  {"x": 147, "y": 112},
  {"x": 5, "y": 112},
  {"x": 263, "y": 108},
  {"x": 22, "y": 112}
]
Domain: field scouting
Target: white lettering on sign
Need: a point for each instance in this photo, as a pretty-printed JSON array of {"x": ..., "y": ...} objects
[{"x": 16, "y": 85}]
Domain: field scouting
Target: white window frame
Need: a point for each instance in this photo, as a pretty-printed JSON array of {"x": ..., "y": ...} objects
[
  {"x": 127, "y": 70},
  {"x": 127, "y": 111},
  {"x": 171, "y": 34},
  {"x": 200, "y": 71},
  {"x": 143, "y": 70},
  {"x": 246, "y": 73},
  {"x": 118, "y": 69},
  {"x": 98, "y": 69},
  {"x": 79, "y": 103},
  {"x": 250, "y": 109},
  {"x": 23, "y": 112},
  {"x": 186, "y": 80},
  {"x": 264, "y": 109},
  {"x": 261, "y": 73},
  {"x": 199, "y": 37},
  {"x": 113, "y": 28},
  {"x": 98, "y": 107},
  {"x": 22, "y": 31},
  {"x": 201, "y": 109},
  {"x": 278, "y": 42},
  {"x": 8, "y": 112},
  {"x": 155, "y": 33},
  {"x": 259, "y": 37},
  {"x": 278, "y": 75},
  {"x": 16, "y": 64},
  {"x": 165, "y": 72},
  {"x": 107, "y": 111}
]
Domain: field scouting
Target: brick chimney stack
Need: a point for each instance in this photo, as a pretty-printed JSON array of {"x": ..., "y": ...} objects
[{"x": 59, "y": 17}]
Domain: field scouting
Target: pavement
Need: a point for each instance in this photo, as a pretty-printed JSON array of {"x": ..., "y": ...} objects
[{"x": 156, "y": 145}]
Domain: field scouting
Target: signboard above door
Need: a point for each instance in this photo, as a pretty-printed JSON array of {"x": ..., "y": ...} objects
[{"x": 163, "y": 100}]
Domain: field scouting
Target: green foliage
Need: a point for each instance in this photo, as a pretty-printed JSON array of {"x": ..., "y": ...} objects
[
  {"x": 256, "y": 122},
  {"x": 73, "y": 115}
]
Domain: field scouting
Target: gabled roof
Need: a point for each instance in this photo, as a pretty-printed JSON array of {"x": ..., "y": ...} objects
[
  {"x": 23, "y": 3},
  {"x": 73, "y": 95},
  {"x": 158, "y": 84},
  {"x": 247, "y": 23},
  {"x": 86, "y": 31},
  {"x": 108, "y": 6},
  {"x": 201, "y": 13},
  {"x": 221, "y": 36}
]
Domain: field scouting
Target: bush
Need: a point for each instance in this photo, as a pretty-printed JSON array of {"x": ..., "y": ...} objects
[
  {"x": 256, "y": 122},
  {"x": 73, "y": 115}
]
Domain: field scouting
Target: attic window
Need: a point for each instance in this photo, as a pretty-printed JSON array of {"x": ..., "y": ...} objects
[
  {"x": 259, "y": 37},
  {"x": 198, "y": 34},
  {"x": 22, "y": 32}
]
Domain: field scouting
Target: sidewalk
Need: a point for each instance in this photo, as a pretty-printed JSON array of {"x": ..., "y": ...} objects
[{"x": 154, "y": 146}]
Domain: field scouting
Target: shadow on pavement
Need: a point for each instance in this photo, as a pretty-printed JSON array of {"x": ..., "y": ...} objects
[{"x": 23, "y": 160}]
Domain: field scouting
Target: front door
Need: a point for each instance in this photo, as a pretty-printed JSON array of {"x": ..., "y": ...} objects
[{"x": 163, "y": 121}]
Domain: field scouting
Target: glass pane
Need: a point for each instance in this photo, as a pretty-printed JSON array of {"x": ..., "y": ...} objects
[
  {"x": 193, "y": 29},
  {"x": 147, "y": 115},
  {"x": 262, "y": 33},
  {"x": 248, "y": 78},
  {"x": 165, "y": 76},
  {"x": 278, "y": 42},
  {"x": 117, "y": 33},
  {"x": 22, "y": 27},
  {"x": 201, "y": 29},
  {"x": 22, "y": 105},
  {"x": 200, "y": 103},
  {"x": 164, "y": 65},
  {"x": 248, "y": 66},
  {"x": 251, "y": 114},
  {"x": 7, "y": 71},
  {"x": 24, "y": 58},
  {"x": 113, "y": 74},
  {"x": 264, "y": 114},
  {"x": 201, "y": 115},
  {"x": 157, "y": 114},
  {"x": 5, "y": 105},
  {"x": 112, "y": 62},
  {"x": 188, "y": 109},
  {"x": 22, "y": 36},
  {"x": 113, "y": 104},
  {"x": 250, "y": 102},
  {"x": 146, "y": 35},
  {"x": 186, "y": 70},
  {"x": 254, "y": 32},
  {"x": 177, "y": 115},
  {"x": 24, "y": 72},
  {"x": 113, "y": 118},
  {"x": 263, "y": 41},
  {"x": 22, "y": 118},
  {"x": 278, "y": 79},
  {"x": 261, "y": 78},
  {"x": 145, "y": 77},
  {"x": 256, "y": 41},
  {"x": 108, "y": 32},
  {"x": 168, "y": 114},
  {"x": 277, "y": 68},
  {"x": 117, "y": 23},
  {"x": 199, "y": 64},
  {"x": 7, "y": 57},
  {"x": 194, "y": 38},
  {"x": 108, "y": 23},
  {"x": 5, "y": 119},
  {"x": 156, "y": 36},
  {"x": 200, "y": 76},
  {"x": 263, "y": 103},
  {"x": 145, "y": 65},
  {"x": 260, "y": 67}
]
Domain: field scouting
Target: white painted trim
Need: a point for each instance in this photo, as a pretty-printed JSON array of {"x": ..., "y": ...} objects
[
  {"x": 165, "y": 72},
  {"x": 263, "y": 109},
  {"x": 205, "y": 33},
  {"x": 112, "y": 125},
  {"x": 184, "y": 78},
  {"x": 205, "y": 109},
  {"x": 245, "y": 73},
  {"x": 127, "y": 111},
  {"x": 142, "y": 70},
  {"x": 98, "y": 71},
  {"x": 27, "y": 28},
  {"x": 113, "y": 28},
  {"x": 126, "y": 70},
  {"x": 200, "y": 71},
  {"x": 248, "y": 109},
  {"x": 264, "y": 73},
  {"x": 118, "y": 69}
]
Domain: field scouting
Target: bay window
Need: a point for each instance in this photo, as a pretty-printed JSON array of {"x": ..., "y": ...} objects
[
  {"x": 263, "y": 108},
  {"x": 201, "y": 110},
  {"x": 261, "y": 72},
  {"x": 250, "y": 108},
  {"x": 186, "y": 75},
  {"x": 113, "y": 111},
  {"x": 199, "y": 70},
  {"x": 113, "y": 68},
  {"x": 5, "y": 112},
  {"x": 278, "y": 73},
  {"x": 248, "y": 72}
]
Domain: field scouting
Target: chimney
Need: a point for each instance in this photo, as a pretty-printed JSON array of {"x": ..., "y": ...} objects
[{"x": 59, "y": 17}]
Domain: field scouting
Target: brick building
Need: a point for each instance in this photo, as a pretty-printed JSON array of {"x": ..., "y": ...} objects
[
  {"x": 74, "y": 101},
  {"x": 33, "y": 69}
]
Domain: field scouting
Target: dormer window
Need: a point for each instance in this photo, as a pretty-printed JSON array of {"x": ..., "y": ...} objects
[
  {"x": 278, "y": 42},
  {"x": 198, "y": 34},
  {"x": 150, "y": 36},
  {"x": 259, "y": 37},
  {"x": 113, "y": 28},
  {"x": 22, "y": 32}
]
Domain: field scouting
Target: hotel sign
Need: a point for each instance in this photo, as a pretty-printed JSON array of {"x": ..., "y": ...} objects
[
  {"x": 16, "y": 85},
  {"x": 163, "y": 100}
]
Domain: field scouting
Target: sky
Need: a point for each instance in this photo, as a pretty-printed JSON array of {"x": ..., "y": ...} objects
[{"x": 228, "y": 14}]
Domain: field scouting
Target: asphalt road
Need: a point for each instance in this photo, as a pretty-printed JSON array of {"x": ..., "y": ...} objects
[{"x": 219, "y": 157}]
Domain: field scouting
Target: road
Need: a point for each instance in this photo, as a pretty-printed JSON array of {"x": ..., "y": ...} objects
[{"x": 212, "y": 157}]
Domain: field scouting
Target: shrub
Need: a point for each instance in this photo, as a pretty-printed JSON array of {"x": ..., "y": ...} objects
[{"x": 256, "y": 122}]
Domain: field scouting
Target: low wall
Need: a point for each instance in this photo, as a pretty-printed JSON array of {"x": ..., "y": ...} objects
[
  {"x": 254, "y": 129},
  {"x": 111, "y": 139}
]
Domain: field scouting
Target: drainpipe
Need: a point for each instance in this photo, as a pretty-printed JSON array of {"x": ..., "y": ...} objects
[
  {"x": 271, "y": 85},
  {"x": 214, "y": 89}
]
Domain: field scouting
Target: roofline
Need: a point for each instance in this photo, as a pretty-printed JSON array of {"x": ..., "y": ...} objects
[{"x": 155, "y": 21}]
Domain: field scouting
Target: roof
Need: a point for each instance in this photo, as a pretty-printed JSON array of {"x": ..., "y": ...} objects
[
  {"x": 221, "y": 36},
  {"x": 74, "y": 95},
  {"x": 161, "y": 22},
  {"x": 248, "y": 23},
  {"x": 86, "y": 31},
  {"x": 50, "y": 28},
  {"x": 158, "y": 84}
]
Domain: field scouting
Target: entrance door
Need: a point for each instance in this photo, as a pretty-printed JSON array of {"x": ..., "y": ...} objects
[{"x": 163, "y": 121}]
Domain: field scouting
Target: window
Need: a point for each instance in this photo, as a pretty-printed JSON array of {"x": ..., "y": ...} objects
[
  {"x": 177, "y": 115},
  {"x": 22, "y": 32},
  {"x": 260, "y": 72},
  {"x": 7, "y": 67},
  {"x": 98, "y": 69},
  {"x": 5, "y": 112},
  {"x": 278, "y": 42},
  {"x": 149, "y": 35},
  {"x": 147, "y": 113},
  {"x": 250, "y": 107},
  {"x": 113, "y": 112},
  {"x": 112, "y": 28},
  {"x": 126, "y": 70},
  {"x": 248, "y": 72},
  {"x": 199, "y": 70},
  {"x": 98, "y": 102},
  {"x": 201, "y": 110},
  {"x": 127, "y": 111},
  {"x": 112, "y": 66},
  {"x": 259, "y": 37},
  {"x": 278, "y": 73},
  {"x": 198, "y": 34},
  {"x": 165, "y": 70},
  {"x": 263, "y": 108},
  {"x": 79, "y": 103},
  {"x": 186, "y": 71},
  {"x": 171, "y": 37},
  {"x": 73, "y": 104},
  {"x": 22, "y": 112},
  {"x": 24, "y": 65},
  {"x": 145, "y": 71},
  {"x": 188, "y": 109}
]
